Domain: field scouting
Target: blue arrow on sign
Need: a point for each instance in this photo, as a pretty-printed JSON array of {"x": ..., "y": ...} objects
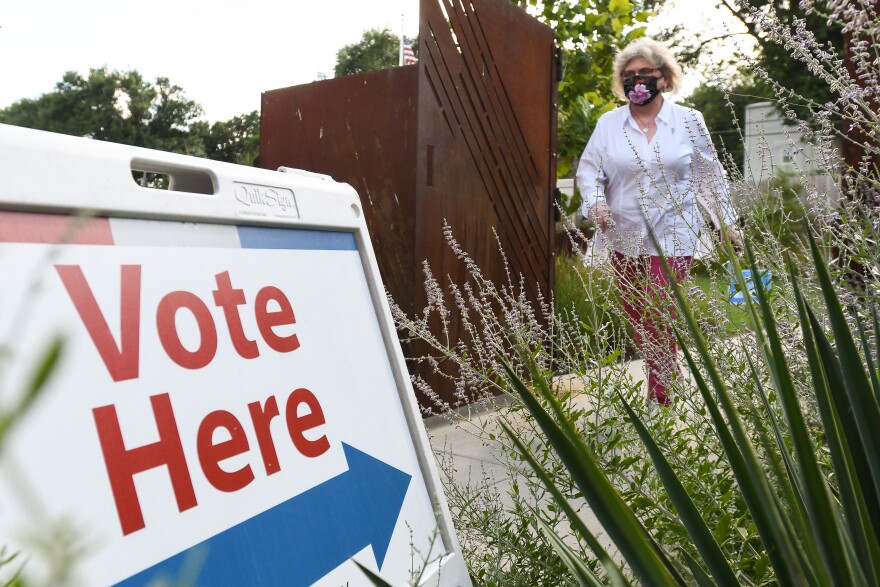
[{"x": 301, "y": 540}]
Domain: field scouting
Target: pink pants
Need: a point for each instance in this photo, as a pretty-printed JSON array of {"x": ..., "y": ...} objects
[{"x": 648, "y": 302}]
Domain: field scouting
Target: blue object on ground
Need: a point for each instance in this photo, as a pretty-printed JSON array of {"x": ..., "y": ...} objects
[{"x": 738, "y": 297}]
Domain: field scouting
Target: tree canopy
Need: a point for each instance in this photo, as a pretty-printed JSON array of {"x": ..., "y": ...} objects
[
  {"x": 236, "y": 140},
  {"x": 123, "y": 107},
  {"x": 377, "y": 49},
  {"x": 779, "y": 30},
  {"x": 589, "y": 33},
  {"x": 114, "y": 106},
  {"x": 723, "y": 105},
  {"x": 778, "y": 58}
]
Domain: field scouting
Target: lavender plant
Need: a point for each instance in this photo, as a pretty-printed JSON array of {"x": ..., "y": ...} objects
[
  {"x": 723, "y": 532},
  {"x": 500, "y": 526}
]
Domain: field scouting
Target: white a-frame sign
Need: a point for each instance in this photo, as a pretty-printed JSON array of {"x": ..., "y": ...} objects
[{"x": 230, "y": 405}]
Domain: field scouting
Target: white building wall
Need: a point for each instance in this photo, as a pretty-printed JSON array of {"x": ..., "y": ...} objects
[{"x": 772, "y": 147}]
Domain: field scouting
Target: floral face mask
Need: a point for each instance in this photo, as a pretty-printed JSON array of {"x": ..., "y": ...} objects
[{"x": 640, "y": 90}]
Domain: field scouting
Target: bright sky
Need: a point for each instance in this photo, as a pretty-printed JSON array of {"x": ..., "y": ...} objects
[{"x": 223, "y": 53}]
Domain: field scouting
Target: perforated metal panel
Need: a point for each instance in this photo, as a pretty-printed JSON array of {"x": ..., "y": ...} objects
[{"x": 467, "y": 136}]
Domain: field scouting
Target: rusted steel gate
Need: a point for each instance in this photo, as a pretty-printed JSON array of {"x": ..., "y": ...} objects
[{"x": 467, "y": 135}]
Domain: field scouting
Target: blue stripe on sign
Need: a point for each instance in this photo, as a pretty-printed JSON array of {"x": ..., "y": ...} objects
[
  {"x": 261, "y": 237},
  {"x": 301, "y": 540}
]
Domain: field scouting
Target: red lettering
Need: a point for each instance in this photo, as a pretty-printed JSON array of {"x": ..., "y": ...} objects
[
  {"x": 167, "y": 326},
  {"x": 267, "y": 320},
  {"x": 262, "y": 418},
  {"x": 123, "y": 464},
  {"x": 297, "y": 425},
  {"x": 122, "y": 361},
  {"x": 230, "y": 299},
  {"x": 211, "y": 454}
]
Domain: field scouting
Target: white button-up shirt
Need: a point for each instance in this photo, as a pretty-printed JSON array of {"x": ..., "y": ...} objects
[{"x": 659, "y": 181}]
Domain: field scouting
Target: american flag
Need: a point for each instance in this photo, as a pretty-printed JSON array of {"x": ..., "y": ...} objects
[{"x": 409, "y": 58}]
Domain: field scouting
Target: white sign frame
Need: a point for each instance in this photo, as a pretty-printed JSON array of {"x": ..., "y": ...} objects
[{"x": 50, "y": 173}]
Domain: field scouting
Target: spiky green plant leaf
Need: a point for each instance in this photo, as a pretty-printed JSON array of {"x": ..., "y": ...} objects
[
  {"x": 622, "y": 526},
  {"x": 372, "y": 576},
  {"x": 579, "y": 570},
  {"x": 577, "y": 523},
  {"x": 699, "y": 532}
]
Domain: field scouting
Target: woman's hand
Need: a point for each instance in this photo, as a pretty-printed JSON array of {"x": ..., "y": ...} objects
[
  {"x": 735, "y": 238},
  {"x": 601, "y": 215}
]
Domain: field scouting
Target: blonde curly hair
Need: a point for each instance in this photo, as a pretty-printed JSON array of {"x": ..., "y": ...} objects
[{"x": 652, "y": 51}]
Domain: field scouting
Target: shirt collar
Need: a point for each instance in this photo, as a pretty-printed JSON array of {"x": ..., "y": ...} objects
[
  {"x": 663, "y": 116},
  {"x": 665, "y": 111}
]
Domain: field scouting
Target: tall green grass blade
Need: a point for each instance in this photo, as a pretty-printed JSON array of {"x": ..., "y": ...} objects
[
  {"x": 795, "y": 521},
  {"x": 789, "y": 562},
  {"x": 856, "y": 384},
  {"x": 846, "y": 455},
  {"x": 618, "y": 520},
  {"x": 36, "y": 385},
  {"x": 876, "y": 342},
  {"x": 788, "y": 480},
  {"x": 855, "y": 450},
  {"x": 672, "y": 568},
  {"x": 700, "y": 576},
  {"x": 790, "y": 483},
  {"x": 786, "y": 561},
  {"x": 577, "y": 523},
  {"x": 690, "y": 517},
  {"x": 869, "y": 358},
  {"x": 566, "y": 425},
  {"x": 826, "y": 535},
  {"x": 6, "y": 560},
  {"x": 375, "y": 579},
  {"x": 579, "y": 570},
  {"x": 862, "y": 539}
]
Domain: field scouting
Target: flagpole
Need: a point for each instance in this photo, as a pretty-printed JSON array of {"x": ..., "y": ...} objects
[{"x": 400, "y": 61}]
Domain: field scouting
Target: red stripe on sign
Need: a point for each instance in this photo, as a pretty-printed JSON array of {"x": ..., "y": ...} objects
[{"x": 26, "y": 227}]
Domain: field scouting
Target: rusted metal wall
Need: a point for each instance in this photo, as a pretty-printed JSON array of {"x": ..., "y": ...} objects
[
  {"x": 361, "y": 130},
  {"x": 466, "y": 136},
  {"x": 486, "y": 134}
]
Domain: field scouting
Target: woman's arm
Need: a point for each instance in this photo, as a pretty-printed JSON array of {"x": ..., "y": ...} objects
[{"x": 591, "y": 179}]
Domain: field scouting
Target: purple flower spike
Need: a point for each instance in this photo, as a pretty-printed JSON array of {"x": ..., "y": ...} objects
[{"x": 639, "y": 94}]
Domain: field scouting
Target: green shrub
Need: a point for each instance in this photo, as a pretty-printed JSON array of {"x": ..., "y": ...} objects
[
  {"x": 816, "y": 519},
  {"x": 779, "y": 214},
  {"x": 766, "y": 470}
]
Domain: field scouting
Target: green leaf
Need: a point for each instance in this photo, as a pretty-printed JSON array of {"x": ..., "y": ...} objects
[
  {"x": 613, "y": 513},
  {"x": 575, "y": 565},
  {"x": 690, "y": 516},
  {"x": 576, "y": 522},
  {"x": 373, "y": 577},
  {"x": 36, "y": 385},
  {"x": 620, "y": 6}
]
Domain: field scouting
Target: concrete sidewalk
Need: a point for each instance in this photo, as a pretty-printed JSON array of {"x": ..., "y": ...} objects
[
  {"x": 470, "y": 454},
  {"x": 477, "y": 464}
]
